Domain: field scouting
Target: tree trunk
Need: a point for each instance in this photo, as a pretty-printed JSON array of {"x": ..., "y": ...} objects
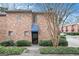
[
  {"x": 54, "y": 33},
  {"x": 53, "y": 29},
  {"x": 56, "y": 37}
]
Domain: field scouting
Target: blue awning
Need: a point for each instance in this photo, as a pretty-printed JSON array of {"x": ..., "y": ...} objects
[{"x": 35, "y": 27}]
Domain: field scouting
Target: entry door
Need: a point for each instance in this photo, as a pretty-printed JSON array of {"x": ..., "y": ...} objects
[{"x": 35, "y": 37}]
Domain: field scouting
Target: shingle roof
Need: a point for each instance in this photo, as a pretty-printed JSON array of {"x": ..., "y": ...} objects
[{"x": 19, "y": 11}]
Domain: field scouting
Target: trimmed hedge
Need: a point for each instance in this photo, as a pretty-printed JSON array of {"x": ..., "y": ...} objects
[
  {"x": 23, "y": 43},
  {"x": 7, "y": 43},
  {"x": 59, "y": 50},
  {"x": 73, "y": 33},
  {"x": 11, "y": 50},
  {"x": 45, "y": 43},
  {"x": 62, "y": 42}
]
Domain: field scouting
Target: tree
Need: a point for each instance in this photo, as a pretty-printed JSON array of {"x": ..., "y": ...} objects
[{"x": 56, "y": 15}]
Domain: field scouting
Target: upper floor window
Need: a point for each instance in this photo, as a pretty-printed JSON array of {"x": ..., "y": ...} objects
[
  {"x": 18, "y": 17},
  {"x": 61, "y": 29},
  {"x": 72, "y": 28},
  {"x": 34, "y": 18},
  {"x": 66, "y": 29},
  {"x": 78, "y": 28}
]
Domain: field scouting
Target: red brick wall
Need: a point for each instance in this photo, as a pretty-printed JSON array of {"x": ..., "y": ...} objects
[
  {"x": 18, "y": 23},
  {"x": 3, "y": 26},
  {"x": 42, "y": 22},
  {"x": 76, "y": 28},
  {"x": 71, "y": 28}
]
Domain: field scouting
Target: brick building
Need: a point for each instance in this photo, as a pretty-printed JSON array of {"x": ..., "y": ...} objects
[
  {"x": 70, "y": 28},
  {"x": 26, "y": 25}
]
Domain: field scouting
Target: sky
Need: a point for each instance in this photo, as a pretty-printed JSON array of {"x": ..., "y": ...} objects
[{"x": 38, "y": 8}]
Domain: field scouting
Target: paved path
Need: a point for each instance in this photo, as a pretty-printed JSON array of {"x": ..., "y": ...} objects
[{"x": 34, "y": 51}]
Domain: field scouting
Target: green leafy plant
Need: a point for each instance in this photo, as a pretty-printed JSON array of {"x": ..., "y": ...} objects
[
  {"x": 45, "y": 43},
  {"x": 73, "y": 33},
  {"x": 7, "y": 43},
  {"x": 11, "y": 50},
  {"x": 59, "y": 50},
  {"x": 63, "y": 41},
  {"x": 23, "y": 43}
]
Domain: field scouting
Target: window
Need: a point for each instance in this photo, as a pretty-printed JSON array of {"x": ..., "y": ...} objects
[
  {"x": 10, "y": 33},
  {"x": 34, "y": 18},
  {"x": 72, "y": 28},
  {"x": 18, "y": 17},
  {"x": 25, "y": 33},
  {"x": 78, "y": 29},
  {"x": 66, "y": 29},
  {"x": 61, "y": 29}
]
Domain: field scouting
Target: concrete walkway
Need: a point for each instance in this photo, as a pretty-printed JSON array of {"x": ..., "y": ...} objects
[{"x": 34, "y": 51}]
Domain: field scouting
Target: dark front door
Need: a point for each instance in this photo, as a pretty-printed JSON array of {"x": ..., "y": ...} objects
[{"x": 35, "y": 37}]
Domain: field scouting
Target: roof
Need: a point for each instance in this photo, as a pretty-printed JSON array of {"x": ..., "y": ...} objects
[
  {"x": 18, "y": 11},
  {"x": 71, "y": 24}
]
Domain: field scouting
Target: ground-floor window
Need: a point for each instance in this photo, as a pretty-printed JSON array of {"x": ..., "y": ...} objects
[
  {"x": 10, "y": 33},
  {"x": 26, "y": 33}
]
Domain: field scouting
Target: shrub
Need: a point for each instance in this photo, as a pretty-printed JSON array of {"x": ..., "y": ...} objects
[
  {"x": 23, "y": 43},
  {"x": 7, "y": 43},
  {"x": 14, "y": 51},
  {"x": 59, "y": 50},
  {"x": 11, "y": 50},
  {"x": 2, "y": 50},
  {"x": 73, "y": 33},
  {"x": 63, "y": 41},
  {"x": 45, "y": 43}
]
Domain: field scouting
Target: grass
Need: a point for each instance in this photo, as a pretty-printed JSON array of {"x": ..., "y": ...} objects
[
  {"x": 59, "y": 50},
  {"x": 11, "y": 50}
]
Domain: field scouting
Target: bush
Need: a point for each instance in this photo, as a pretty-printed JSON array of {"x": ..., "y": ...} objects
[
  {"x": 2, "y": 50},
  {"x": 59, "y": 50},
  {"x": 11, "y": 50},
  {"x": 14, "y": 51},
  {"x": 73, "y": 33},
  {"x": 23, "y": 43},
  {"x": 7, "y": 43},
  {"x": 63, "y": 41},
  {"x": 45, "y": 43}
]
